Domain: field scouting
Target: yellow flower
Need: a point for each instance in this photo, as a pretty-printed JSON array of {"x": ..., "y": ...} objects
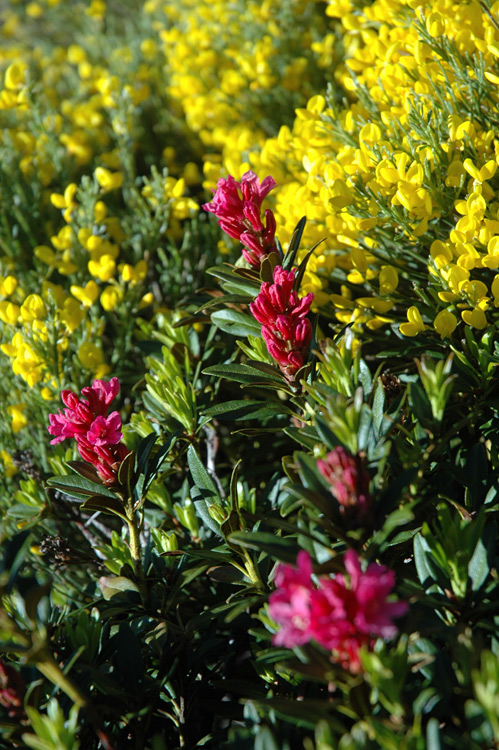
[
  {"x": 91, "y": 357},
  {"x": 133, "y": 274},
  {"x": 111, "y": 297},
  {"x": 71, "y": 314},
  {"x": 104, "y": 268},
  {"x": 8, "y": 465},
  {"x": 445, "y": 323},
  {"x": 87, "y": 294},
  {"x": 15, "y": 75},
  {"x": 33, "y": 308},
  {"x": 17, "y": 416},
  {"x": 108, "y": 180},
  {"x": 8, "y": 285},
  {"x": 415, "y": 323},
  {"x": 9, "y": 312}
]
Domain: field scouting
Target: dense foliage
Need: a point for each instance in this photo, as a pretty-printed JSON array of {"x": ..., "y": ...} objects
[{"x": 249, "y": 296}]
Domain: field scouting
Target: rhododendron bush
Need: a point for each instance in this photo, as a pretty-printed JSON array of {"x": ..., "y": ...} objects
[{"x": 249, "y": 299}]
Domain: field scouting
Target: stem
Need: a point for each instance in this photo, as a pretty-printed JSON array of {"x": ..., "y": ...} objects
[
  {"x": 133, "y": 528},
  {"x": 252, "y": 571}
]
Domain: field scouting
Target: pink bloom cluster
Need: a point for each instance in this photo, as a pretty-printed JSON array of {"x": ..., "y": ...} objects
[
  {"x": 285, "y": 327},
  {"x": 349, "y": 481},
  {"x": 97, "y": 436},
  {"x": 341, "y": 615},
  {"x": 237, "y": 206}
]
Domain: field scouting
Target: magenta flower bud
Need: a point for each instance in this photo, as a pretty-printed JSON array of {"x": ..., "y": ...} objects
[
  {"x": 348, "y": 479},
  {"x": 237, "y": 206},
  {"x": 97, "y": 436},
  {"x": 285, "y": 329}
]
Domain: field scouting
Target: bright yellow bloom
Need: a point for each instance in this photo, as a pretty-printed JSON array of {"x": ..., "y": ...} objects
[
  {"x": 33, "y": 308},
  {"x": 108, "y": 180},
  {"x": 415, "y": 323},
  {"x": 15, "y": 75},
  {"x": 111, "y": 297},
  {"x": 18, "y": 420},
  {"x": 104, "y": 268},
  {"x": 445, "y": 323},
  {"x": 92, "y": 358},
  {"x": 87, "y": 295}
]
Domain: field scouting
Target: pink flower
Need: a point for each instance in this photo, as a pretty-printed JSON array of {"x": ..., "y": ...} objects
[
  {"x": 286, "y": 329},
  {"x": 97, "y": 436},
  {"x": 341, "y": 615},
  {"x": 105, "y": 431},
  {"x": 290, "y": 603},
  {"x": 349, "y": 481},
  {"x": 237, "y": 206}
]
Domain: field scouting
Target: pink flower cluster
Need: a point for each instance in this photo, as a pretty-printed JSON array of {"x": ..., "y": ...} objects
[
  {"x": 97, "y": 436},
  {"x": 237, "y": 206},
  {"x": 348, "y": 479},
  {"x": 285, "y": 327},
  {"x": 341, "y": 615}
]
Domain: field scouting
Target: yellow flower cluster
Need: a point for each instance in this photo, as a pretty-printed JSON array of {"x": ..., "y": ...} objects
[
  {"x": 40, "y": 327},
  {"x": 229, "y": 63},
  {"x": 401, "y": 182}
]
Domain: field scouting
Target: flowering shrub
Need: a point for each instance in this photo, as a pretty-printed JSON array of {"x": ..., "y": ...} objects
[{"x": 249, "y": 461}]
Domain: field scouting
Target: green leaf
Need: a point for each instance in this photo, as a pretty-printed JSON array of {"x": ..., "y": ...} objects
[
  {"x": 236, "y": 323},
  {"x": 199, "y": 474},
  {"x": 112, "y": 585},
  {"x": 294, "y": 244},
  {"x": 246, "y": 374},
  {"x": 483, "y": 558},
  {"x": 233, "y": 282},
  {"x": 246, "y": 409},
  {"x": 126, "y": 472},
  {"x": 144, "y": 450},
  {"x": 104, "y": 504},
  {"x": 277, "y": 547},
  {"x": 378, "y": 406},
  {"x": 78, "y": 487},
  {"x": 303, "y": 265},
  {"x": 84, "y": 469}
]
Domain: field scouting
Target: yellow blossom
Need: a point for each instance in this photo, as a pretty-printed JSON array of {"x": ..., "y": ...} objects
[
  {"x": 108, "y": 180},
  {"x": 445, "y": 323},
  {"x": 415, "y": 323},
  {"x": 18, "y": 419}
]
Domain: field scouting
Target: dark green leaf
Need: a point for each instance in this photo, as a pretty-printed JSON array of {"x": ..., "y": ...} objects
[
  {"x": 84, "y": 469},
  {"x": 236, "y": 323},
  {"x": 246, "y": 409},
  {"x": 294, "y": 244},
  {"x": 78, "y": 487},
  {"x": 201, "y": 478},
  {"x": 104, "y": 504},
  {"x": 276, "y": 546}
]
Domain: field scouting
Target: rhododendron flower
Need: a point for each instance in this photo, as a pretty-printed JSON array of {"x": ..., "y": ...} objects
[
  {"x": 290, "y": 603},
  {"x": 286, "y": 329},
  {"x": 237, "y": 206},
  {"x": 341, "y": 614},
  {"x": 97, "y": 436},
  {"x": 349, "y": 481}
]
